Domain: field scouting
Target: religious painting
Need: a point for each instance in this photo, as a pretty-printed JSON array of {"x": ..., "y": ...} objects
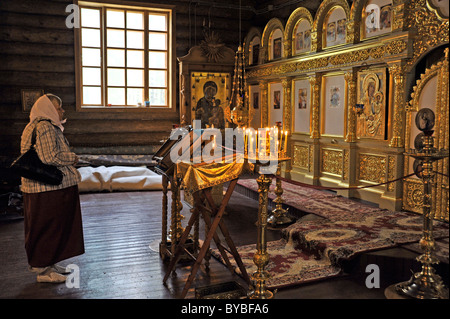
[
  {"x": 299, "y": 41},
  {"x": 302, "y": 98},
  {"x": 372, "y": 18},
  {"x": 276, "y": 100},
  {"x": 425, "y": 119},
  {"x": 331, "y": 32},
  {"x": 307, "y": 39},
  {"x": 441, "y": 7},
  {"x": 210, "y": 93},
  {"x": 371, "y": 119},
  {"x": 277, "y": 48},
  {"x": 340, "y": 30},
  {"x": 385, "y": 17},
  {"x": 256, "y": 100},
  {"x": 255, "y": 54},
  {"x": 335, "y": 96},
  {"x": 29, "y": 97}
]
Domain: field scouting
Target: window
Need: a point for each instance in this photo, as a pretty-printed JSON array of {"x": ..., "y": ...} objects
[{"x": 125, "y": 56}]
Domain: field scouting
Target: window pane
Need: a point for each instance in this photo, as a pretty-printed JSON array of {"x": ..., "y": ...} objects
[
  {"x": 116, "y": 77},
  {"x": 135, "y": 39},
  {"x": 116, "y": 57},
  {"x": 115, "y": 38},
  {"x": 90, "y": 38},
  {"x": 157, "y": 78},
  {"x": 135, "y": 59},
  {"x": 92, "y": 95},
  {"x": 116, "y": 96},
  {"x": 92, "y": 76},
  {"x": 135, "y": 96},
  {"x": 158, "y": 97},
  {"x": 135, "y": 77},
  {"x": 91, "y": 57},
  {"x": 135, "y": 20},
  {"x": 157, "y": 22},
  {"x": 115, "y": 18},
  {"x": 157, "y": 41},
  {"x": 90, "y": 18},
  {"x": 157, "y": 60}
]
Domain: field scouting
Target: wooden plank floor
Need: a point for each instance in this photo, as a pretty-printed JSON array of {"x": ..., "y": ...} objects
[{"x": 120, "y": 231}]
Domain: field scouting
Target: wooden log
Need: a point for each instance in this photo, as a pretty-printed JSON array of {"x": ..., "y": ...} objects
[
  {"x": 37, "y": 63},
  {"x": 36, "y": 35},
  {"x": 37, "y": 79},
  {"x": 39, "y": 49}
]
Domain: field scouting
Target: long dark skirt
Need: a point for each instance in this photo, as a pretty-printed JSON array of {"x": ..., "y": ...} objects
[{"x": 53, "y": 226}]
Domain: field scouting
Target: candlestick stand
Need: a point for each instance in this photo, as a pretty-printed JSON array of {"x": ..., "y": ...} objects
[
  {"x": 279, "y": 215},
  {"x": 426, "y": 284},
  {"x": 261, "y": 257}
]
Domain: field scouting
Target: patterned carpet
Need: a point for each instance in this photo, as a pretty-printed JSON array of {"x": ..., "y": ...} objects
[{"x": 313, "y": 250}]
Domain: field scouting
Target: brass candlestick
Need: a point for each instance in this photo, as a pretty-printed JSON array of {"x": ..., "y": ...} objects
[
  {"x": 279, "y": 215},
  {"x": 426, "y": 284},
  {"x": 261, "y": 257}
]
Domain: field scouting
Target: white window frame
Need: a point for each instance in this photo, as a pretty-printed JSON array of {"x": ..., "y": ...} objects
[{"x": 171, "y": 62}]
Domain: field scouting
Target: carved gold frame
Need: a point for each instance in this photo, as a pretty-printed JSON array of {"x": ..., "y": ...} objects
[
  {"x": 323, "y": 105},
  {"x": 294, "y": 106}
]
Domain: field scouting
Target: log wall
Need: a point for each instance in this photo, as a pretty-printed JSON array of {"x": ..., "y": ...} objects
[{"x": 37, "y": 51}]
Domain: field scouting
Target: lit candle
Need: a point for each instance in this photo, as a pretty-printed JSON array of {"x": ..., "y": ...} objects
[
  {"x": 257, "y": 142},
  {"x": 285, "y": 141},
  {"x": 251, "y": 143}
]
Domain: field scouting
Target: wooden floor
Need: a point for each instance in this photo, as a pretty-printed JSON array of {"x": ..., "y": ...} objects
[{"x": 122, "y": 233}]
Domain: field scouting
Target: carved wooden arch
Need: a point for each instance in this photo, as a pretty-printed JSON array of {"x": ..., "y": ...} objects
[
  {"x": 252, "y": 33},
  {"x": 431, "y": 31},
  {"x": 431, "y": 72},
  {"x": 271, "y": 26},
  {"x": 411, "y": 186},
  {"x": 355, "y": 19},
  {"x": 296, "y": 16},
  {"x": 324, "y": 8}
]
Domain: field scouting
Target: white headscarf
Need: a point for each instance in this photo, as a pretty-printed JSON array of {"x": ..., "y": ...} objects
[{"x": 43, "y": 107}]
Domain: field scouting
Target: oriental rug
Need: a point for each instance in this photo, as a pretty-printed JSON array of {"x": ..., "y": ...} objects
[{"x": 315, "y": 249}]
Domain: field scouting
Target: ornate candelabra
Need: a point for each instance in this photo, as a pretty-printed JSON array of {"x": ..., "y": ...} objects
[
  {"x": 279, "y": 215},
  {"x": 239, "y": 114},
  {"x": 426, "y": 284}
]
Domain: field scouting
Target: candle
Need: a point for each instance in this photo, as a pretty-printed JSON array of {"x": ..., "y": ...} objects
[
  {"x": 251, "y": 143},
  {"x": 257, "y": 142},
  {"x": 285, "y": 141}
]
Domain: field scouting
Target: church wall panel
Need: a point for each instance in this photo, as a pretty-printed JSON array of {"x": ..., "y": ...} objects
[{"x": 330, "y": 151}]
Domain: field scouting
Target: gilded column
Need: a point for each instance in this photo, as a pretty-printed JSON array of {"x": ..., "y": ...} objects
[
  {"x": 398, "y": 20},
  {"x": 315, "y": 105},
  {"x": 287, "y": 118},
  {"x": 350, "y": 80},
  {"x": 287, "y": 107},
  {"x": 185, "y": 112},
  {"x": 263, "y": 86},
  {"x": 397, "y": 105},
  {"x": 287, "y": 48}
]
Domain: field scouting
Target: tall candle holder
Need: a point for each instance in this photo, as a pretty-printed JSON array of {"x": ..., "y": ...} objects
[
  {"x": 426, "y": 284},
  {"x": 262, "y": 148}
]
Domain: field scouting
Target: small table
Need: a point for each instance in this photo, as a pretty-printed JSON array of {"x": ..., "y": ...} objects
[{"x": 199, "y": 178}]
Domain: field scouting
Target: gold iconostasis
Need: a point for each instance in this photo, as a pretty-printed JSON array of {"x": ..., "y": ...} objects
[{"x": 346, "y": 84}]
